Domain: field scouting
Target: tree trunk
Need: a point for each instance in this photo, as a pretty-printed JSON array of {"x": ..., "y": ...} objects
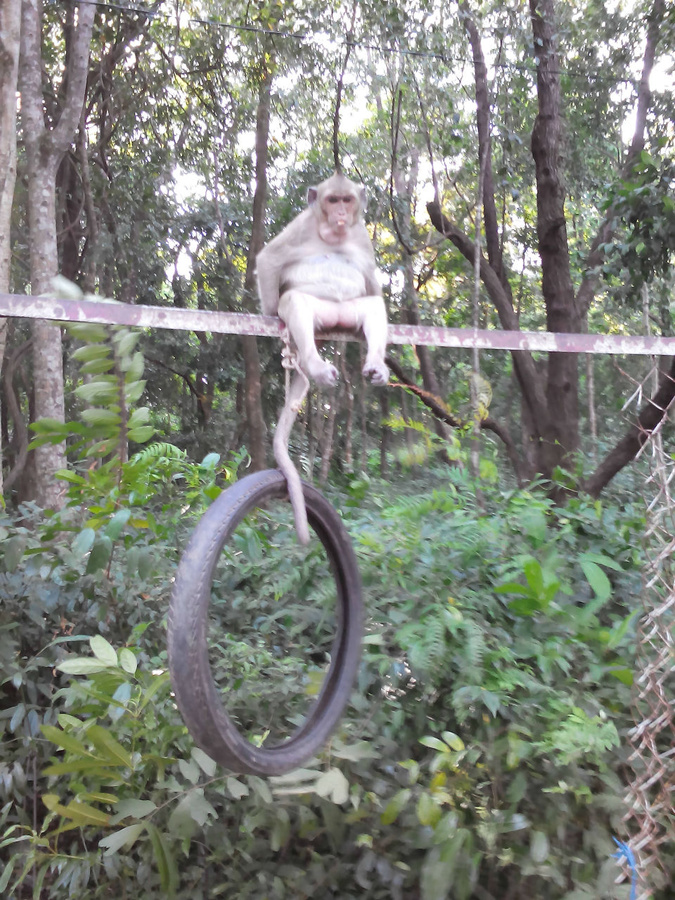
[
  {"x": 45, "y": 147},
  {"x": 327, "y": 445},
  {"x": 253, "y": 390},
  {"x": 561, "y": 440},
  {"x": 10, "y": 29},
  {"x": 404, "y": 191}
]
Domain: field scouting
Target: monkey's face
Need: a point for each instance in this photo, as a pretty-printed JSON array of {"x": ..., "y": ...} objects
[{"x": 340, "y": 211}]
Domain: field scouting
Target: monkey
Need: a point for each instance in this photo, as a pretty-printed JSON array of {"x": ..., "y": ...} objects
[{"x": 320, "y": 274}]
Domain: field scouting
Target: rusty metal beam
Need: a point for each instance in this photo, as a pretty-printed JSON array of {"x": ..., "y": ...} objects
[{"x": 108, "y": 312}]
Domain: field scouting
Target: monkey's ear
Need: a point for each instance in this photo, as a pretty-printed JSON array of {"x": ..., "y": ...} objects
[
  {"x": 312, "y": 194},
  {"x": 362, "y": 197}
]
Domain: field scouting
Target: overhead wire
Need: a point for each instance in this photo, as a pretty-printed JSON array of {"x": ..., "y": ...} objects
[{"x": 299, "y": 36}]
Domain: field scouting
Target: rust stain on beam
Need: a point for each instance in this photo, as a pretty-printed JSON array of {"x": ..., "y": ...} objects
[{"x": 108, "y": 312}]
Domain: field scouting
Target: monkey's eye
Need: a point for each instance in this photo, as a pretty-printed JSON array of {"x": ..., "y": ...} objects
[{"x": 333, "y": 199}]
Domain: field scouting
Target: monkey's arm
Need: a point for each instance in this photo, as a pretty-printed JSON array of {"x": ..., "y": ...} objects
[
  {"x": 365, "y": 246},
  {"x": 275, "y": 257},
  {"x": 268, "y": 271}
]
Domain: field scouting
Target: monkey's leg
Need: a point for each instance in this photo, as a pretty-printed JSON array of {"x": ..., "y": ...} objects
[
  {"x": 372, "y": 317},
  {"x": 302, "y": 313}
]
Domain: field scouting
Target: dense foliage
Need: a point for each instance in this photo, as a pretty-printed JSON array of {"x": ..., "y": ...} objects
[{"x": 481, "y": 754}]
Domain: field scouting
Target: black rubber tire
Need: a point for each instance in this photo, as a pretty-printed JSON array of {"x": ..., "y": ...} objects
[{"x": 196, "y": 693}]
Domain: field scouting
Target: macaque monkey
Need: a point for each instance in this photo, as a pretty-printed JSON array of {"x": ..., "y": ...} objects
[{"x": 319, "y": 274}]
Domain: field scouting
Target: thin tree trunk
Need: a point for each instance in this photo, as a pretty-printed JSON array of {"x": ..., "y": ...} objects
[
  {"x": 404, "y": 191},
  {"x": 327, "y": 444},
  {"x": 253, "y": 389},
  {"x": 385, "y": 434},
  {"x": 363, "y": 410},
  {"x": 349, "y": 415},
  {"x": 492, "y": 239},
  {"x": 10, "y": 29},
  {"x": 45, "y": 148}
]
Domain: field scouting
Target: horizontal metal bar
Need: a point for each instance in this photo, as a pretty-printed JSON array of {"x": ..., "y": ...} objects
[{"x": 109, "y": 312}]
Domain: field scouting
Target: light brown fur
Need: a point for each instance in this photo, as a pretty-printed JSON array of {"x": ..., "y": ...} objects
[{"x": 320, "y": 274}]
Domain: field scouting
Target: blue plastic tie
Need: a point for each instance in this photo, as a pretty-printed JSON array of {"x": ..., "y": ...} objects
[{"x": 624, "y": 852}]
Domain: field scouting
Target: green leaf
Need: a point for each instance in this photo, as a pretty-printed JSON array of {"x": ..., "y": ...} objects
[
  {"x": 512, "y": 587},
  {"x": 79, "y": 813},
  {"x": 126, "y": 341},
  {"x": 117, "y": 523},
  {"x": 596, "y": 578},
  {"x": 128, "y": 661},
  {"x": 92, "y": 352},
  {"x": 97, "y": 392},
  {"x": 103, "y": 650},
  {"x": 88, "y": 331},
  {"x": 92, "y": 766},
  {"x": 453, "y": 741},
  {"x": 619, "y": 630},
  {"x": 539, "y": 846},
  {"x": 134, "y": 391},
  {"x": 428, "y": 811},
  {"x": 14, "y": 550},
  {"x": 624, "y": 675},
  {"x": 83, "y": 541},
  {"x": 133, "y": 366},
  {"x": 125, "y": 837},
  {"x": 237, "y": 788},
  {"x": 199, "y": 807},
  {"x": 132, "y": 809},
  {"x": 397, "y": 803},
  {"x": 96, "y": 416},
  {"x": 142, "y": 434},
  {"x": 525, "y": 606},
  {"x": 189, "y": 770},
  {"x": 108, "y": 747},
  {"x": 434, "y": 744},
  {"x": 7, "y": 872},
  {"x": 97, "y": 366},
  {"x": 100, "y": 555},
  {"x": 139, "y": 417},
  {"x": 81, "y": 665},
  {"x": 333, "y": 786},
  {"x": 436, "y": 877},
  {"x": 17, "y": 717},
  {"x": 534, "y": 574},
  {"x": 64, "y": 740},
  {"x": 205, "y": 763},
  {"x": 165, "y": 860},
  {"x": 210, "y": 461}
]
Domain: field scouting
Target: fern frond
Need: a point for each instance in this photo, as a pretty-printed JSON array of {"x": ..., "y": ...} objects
[{"x": 158, "y": 450}]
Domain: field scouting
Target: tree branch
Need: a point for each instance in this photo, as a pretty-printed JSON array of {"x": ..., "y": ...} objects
[
  {"x": 484, "y": 149},
  {"x": 441, "y": 412},
  {"x": 77, "y": 67},
  {"x": 636, "y": 436},
  {"x": 528, "y": 377}
]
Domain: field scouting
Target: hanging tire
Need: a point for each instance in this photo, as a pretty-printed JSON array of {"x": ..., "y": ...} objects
[{"x": 197, "y": 695}]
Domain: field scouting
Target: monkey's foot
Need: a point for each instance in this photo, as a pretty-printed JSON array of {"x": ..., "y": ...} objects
[
  {"x": 322, "y": 372},
  {"x": 377, "y": 372}
]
